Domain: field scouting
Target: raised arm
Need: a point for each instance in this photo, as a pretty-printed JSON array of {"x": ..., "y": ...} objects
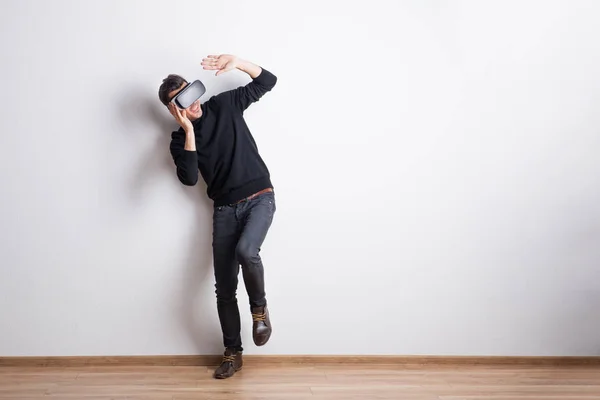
[{"x": 262, "y": 80}]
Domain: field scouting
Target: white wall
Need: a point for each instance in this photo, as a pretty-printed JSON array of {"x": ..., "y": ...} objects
[{"x": 436, "y": 167}]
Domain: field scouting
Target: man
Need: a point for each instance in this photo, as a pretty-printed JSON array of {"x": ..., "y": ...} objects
[{"x": 214, "y": 138}]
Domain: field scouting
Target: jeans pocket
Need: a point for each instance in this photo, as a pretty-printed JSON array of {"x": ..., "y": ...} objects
[
  {"x": 272, "y": 206},
  {"x": 269, "y": 198},
  {"x": 266, "y": 202},
  {"x": 218, "y": 211}
]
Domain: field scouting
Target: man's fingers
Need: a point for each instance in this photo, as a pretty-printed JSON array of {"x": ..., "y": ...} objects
[
  {"x": 209, "y": 65},
  {"x": 180, "y": 115},
  {"x": 210, "y": 60},
  {"x": 178, "y": 112},
  {"x": 172, "y": 109}
]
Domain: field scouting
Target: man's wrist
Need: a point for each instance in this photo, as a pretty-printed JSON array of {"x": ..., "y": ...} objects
[
  {"x": 242, "y": 65},
  {"x": 190, "y": 140},
  {"x": 250, "y": 68}
]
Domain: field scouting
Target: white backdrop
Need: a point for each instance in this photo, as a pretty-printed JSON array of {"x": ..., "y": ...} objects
[{"x": 435, "y": 162}]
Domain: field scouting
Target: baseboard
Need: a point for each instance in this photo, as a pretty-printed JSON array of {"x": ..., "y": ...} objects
[{"x": 210, "y": 360}]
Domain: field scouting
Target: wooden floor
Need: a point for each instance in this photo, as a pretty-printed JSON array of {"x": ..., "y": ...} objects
[{"x": 303, "y": 381}]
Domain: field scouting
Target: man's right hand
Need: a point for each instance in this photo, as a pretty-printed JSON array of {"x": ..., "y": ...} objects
[
  {"x": 186, "y": 124},
  {"x": 181, "y": 118}
]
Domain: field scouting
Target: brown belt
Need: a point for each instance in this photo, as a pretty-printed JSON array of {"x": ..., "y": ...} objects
[{"x": 254, "y": 195}]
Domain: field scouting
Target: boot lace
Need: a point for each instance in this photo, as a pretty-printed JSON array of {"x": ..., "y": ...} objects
[
  {"x": 259, "y": 316},
  {"x": 228, "y": 358}
]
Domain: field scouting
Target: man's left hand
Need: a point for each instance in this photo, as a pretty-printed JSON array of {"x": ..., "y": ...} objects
[{"x": 221, "y": 63}]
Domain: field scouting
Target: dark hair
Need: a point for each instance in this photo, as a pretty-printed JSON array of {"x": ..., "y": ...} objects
[{"x": 170, "y": 83}]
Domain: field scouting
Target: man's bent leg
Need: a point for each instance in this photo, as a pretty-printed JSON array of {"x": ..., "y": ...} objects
[
  {"x": 226, "y": 268},
  {"x": 257, "y": 218}
]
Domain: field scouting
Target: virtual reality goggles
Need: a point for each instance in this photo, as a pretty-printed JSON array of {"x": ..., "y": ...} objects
[{"x": 190, "y": 93}]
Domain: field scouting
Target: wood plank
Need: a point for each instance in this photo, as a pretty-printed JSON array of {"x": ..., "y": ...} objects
[
  {"x": 280, "y": 381},
  {"x": 211, "y": 360},
  {"x": 82, "y": 361}
]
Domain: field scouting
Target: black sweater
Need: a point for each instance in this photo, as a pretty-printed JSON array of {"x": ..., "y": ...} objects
[{"x": 226, "y": 153}]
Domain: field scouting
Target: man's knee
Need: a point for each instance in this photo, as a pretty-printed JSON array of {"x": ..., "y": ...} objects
[{"x": 247, "y": 254}]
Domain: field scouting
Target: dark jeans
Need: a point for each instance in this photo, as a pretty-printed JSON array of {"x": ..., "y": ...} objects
[{"x": 238, "y": 233}]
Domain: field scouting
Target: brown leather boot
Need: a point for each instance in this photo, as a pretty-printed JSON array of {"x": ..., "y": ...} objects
[
  {"x": 261, "y": 325},
  {"x": 232, "y": 363}
]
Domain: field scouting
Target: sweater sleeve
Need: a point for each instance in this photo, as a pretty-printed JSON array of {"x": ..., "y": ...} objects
[
  {"x": 186, "y": 161},
  {"x": 244, "y": 96}
]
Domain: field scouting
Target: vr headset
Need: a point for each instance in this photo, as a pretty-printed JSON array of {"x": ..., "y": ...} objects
[{"x": 192, "y": 92}]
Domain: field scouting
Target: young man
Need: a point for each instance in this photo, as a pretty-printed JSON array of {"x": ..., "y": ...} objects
[{"x": 214, "y": 138}]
